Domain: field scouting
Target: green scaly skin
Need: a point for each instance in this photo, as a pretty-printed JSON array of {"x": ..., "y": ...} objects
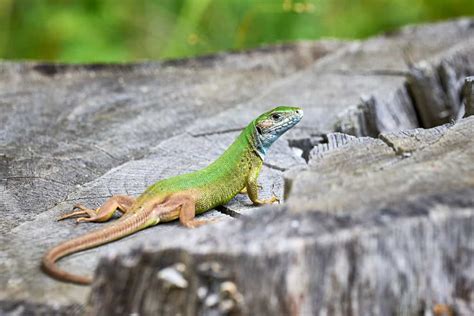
[{"x": 183, "y": 196}]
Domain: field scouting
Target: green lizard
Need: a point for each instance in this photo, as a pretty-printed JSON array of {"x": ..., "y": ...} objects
[{"x": 183, "y": 196}]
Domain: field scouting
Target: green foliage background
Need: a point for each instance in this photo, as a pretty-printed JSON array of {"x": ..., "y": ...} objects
[{"x": 130, "y": 30}]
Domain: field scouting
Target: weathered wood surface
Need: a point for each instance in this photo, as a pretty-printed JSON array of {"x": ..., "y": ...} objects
[
  {"x": 360, "y": 205},
  {"x": 437, "y": 86},
  {"x": 82, "y": 133},
  {"x": 367, "y": 230}
]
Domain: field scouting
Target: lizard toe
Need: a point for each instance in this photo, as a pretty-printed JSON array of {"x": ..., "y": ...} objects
[{"x": 85, "y": 219}]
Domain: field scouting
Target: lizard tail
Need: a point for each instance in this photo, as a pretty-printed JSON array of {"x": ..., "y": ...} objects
[{"x": 93, "y": 239}]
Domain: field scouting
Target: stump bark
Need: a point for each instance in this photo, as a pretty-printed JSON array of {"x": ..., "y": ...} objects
[{"x": 469, "y": 96}]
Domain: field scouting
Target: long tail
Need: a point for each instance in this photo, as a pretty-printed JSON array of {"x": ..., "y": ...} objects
[{"x": 120, "y": 229}]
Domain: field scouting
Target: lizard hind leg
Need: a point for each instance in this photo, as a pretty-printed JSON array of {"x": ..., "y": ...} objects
[
  {"x": 122, "y": 203},
  {"x": 187, "y": 214},
  {"x": 182, "y": 207}
]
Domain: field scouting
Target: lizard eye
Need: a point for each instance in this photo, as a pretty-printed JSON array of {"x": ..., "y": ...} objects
[{"x": 276, "y": 116}]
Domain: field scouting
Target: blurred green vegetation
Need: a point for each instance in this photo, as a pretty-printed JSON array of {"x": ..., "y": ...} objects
[{"x": 129, "y": 30}]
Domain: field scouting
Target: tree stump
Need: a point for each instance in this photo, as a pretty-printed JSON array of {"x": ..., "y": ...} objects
[{"x": 377, "y": 180}]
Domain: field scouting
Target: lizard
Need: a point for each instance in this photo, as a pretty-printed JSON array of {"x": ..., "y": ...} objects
[{"x": 180, "y": 197}]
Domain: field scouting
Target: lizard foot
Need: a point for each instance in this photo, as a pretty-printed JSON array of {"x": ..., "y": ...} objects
[
  {"x": 90, "y": 214},
  {"x": 199, "y": 222},
  {"x": 271, "y": 200},
  {"x": 83, "y": 211}
]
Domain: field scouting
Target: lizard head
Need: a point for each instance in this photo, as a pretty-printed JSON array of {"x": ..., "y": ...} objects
[{"x": 272, "y": 124}]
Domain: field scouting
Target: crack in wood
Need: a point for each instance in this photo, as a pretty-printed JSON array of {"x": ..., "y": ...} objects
[
  {"x": 225, "y": 131},
  {"x": 274, "y": 167},
  {"x": 227, "y": 211},
  {"x": 36, "y": 178},
  {"x": 307, "y": 144}
]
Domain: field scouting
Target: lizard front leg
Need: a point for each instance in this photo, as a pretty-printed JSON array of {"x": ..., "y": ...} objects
[
  {"x": 122, "y": 203},
  {"x": 244, "y": 189},
  {"x": 252, "y": 189}
]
